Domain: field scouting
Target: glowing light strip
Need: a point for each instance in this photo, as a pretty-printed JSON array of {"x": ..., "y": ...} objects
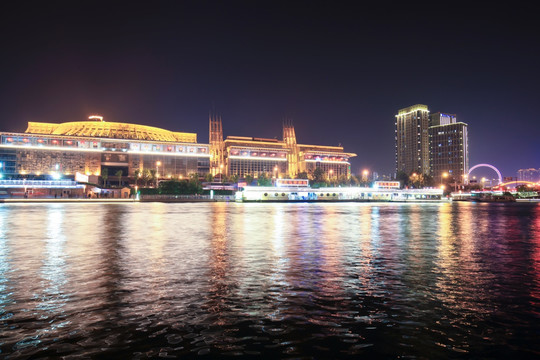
[
  {"x": 257, "y": 158},
  {"x": 413, "y": 111},
  {"x": 329, "y": 161},
  {"x": 48, "y": 200},
  {"x": 42, "y": 186},
  {"x": 519, "y": 181},
  {"x": 106, "y": 140},
  {"x": 37, "y": 147},
  {"x": 456, "y": 123},
  {"x": 166, "y": 153}
]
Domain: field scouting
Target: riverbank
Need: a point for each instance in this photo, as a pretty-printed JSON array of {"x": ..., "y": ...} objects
[
  {"x": 66, "y": 200},
  {"x": 151, "y": 198}
]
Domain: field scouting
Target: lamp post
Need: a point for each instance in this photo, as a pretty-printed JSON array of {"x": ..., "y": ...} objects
[
  {"x": 275, "y": 172},
  {"x": 331, "y": 172},
  {"x": 158, "y": 164},
  {"x": 56, "y": 174},
  {"x": 444, "y": 175},
  {"x": 221, "y": 172}
]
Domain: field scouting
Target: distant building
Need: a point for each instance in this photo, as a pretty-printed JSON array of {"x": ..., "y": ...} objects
[
  {"x": 448, "y": 147},
  {"x": 531, "y": 174},
  {"x": 241, "y": 155},
  {"x": 412, "y": 139}
]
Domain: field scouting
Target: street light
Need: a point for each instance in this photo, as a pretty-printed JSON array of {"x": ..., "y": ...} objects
[
  {"x": 275, "y": 171},
  {"x": 444, "y": 175},
  {"x": 158, "y": 164},
  {"x": 331, "y": 172}
]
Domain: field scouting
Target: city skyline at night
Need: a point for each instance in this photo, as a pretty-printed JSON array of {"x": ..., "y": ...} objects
[
  {"x": 338, "y": 72},
  {"x": 204, "y": 179}
]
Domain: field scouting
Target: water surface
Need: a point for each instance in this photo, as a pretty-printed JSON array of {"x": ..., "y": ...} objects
[{"x": 312, "y": 280}]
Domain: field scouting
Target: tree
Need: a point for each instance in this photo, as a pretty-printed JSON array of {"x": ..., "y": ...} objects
[
  {"x": 119, "y": 174},
  {"x": 146, "y": 176},
  {"x": 428, "y": 180},
  {"x": 342, "y": 179},
  {"x": 209, "y": 177},
  {"x": 521, "y": 188},
  {"x": 403, "y": 178},
  {"x": 249, "y": 179},
  {"x": 153, "y": 177},
  {"x": 264, "y": 180},
  {"x": 233, "y": 178},
  {"x": 302, "y": 175},
  {"x": 194, "y": 184},
  {"x": 318, "y": 176},
  {"x": 354, "y": 181},
  {"x": 105, "y": 176},
  {"x": 137, "y": 174}
]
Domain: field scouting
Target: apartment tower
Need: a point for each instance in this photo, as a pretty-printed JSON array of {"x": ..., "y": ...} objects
[
  {"x": 412, "y": 139},
  {"x": 449, "y": 148}
]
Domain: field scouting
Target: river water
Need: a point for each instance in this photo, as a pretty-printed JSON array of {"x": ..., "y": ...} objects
[{"x": 307, "y": 280}]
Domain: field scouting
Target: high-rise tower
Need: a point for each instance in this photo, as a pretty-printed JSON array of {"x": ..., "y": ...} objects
[
  {"x": 448, "y": 147},
  {"x": 412, "y": 139}
]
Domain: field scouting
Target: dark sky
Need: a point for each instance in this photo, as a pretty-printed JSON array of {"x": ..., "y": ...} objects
[{"x": 339, "y": 71}]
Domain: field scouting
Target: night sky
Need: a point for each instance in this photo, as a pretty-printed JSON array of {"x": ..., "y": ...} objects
[{"x": 340, "y": 72}]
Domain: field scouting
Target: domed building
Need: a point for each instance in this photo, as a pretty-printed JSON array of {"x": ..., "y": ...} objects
[{"x": 96, "y": 146}]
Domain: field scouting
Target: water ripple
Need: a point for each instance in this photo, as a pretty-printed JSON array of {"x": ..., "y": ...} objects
[{"x": 276, "y": 280}]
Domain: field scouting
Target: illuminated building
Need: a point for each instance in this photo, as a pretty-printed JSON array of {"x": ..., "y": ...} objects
[
  {"x": 299, "y": 190},
  {"x": 449, "y": 147},
  {"x": 239, "y": 155},
  {"x": 532, "y": 175},
  {"x": 412, "y": 139},
  {"x": 90, "y": 147}
]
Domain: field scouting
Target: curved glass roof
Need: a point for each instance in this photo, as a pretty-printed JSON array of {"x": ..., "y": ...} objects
[{"x": 114, "y": 130}]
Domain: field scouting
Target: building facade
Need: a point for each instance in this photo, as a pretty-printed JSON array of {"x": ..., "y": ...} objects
[
  {"x": 239, "y": 155},
  {"x": 90, "y": 147},
  {"x": 95, "y": 147},
  {"x": 434, "y": 144},
  {"x": 449, "y": 148},
  {"x": 412, "y": 139},
  {"x": 532, "y": 175}
]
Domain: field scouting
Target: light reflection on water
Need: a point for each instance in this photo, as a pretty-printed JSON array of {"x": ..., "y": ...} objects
[{"x": 318, "y": 280}]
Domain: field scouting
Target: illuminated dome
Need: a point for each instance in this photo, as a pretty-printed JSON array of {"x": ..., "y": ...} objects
[{"x": 112, "y": 130}]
